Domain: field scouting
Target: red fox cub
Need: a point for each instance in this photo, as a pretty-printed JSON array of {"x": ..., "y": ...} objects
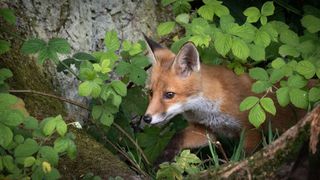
[{"x": 207, "y": 96}]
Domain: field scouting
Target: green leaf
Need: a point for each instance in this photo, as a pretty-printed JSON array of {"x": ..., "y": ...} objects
[
  {"x": 165, "y": 28},
  {"x": 28, "y": 148},
  {"x": 262, "y": 38},
  {"x": 49, "y": 154},
  {"x": 260, "y": 86},
  {"x": 96, "y": 111},
  {"x": 248, "y": 103},
  {"x": 49, "y": 126},
  {"x": 106, "y": 119},
  {"x": 311, "y": 23},
  {"x": 253, "y": 14},
  {"x": 8, "y": 163},
  {"x": 112, "y": 41},
  {"x": 283, "y": 96},
  {"x": 119, "y": 87},
  {"x": 278, "y": 63},
  {"x": 297, "y": 81},
  {"x": 267, "y": 8},
  {"x": 12, "y": 117},
  {"x": 4, "y": 46},
  {"x": 82, "y": 56},
  {"x": 257, "y": 52},
  {"x": 314, "y": 94},
  {"x": 61, "y": 126},
  {"x": 140, "y": 61},
  {"x": 18, "y": 139},
  {"x": 240, "y": 49},
  {"x": 263, "y": 20},
  {"x": 167, "y": 2},
  {"x": 257, "y": 116},
  {"x": 170, "y": 172},
  {"x": 32, "y": 46},
  {"x": 59, "y": 45},
  {"x": 183, "y": 18},
  {"x": 137, "y": 75},
  {"x": 258, "y": 74},
  {"x": 288, "y": 50},
  {"x": 220, "y": 10},
  {"x": 105, "y": 66},
  {"x": 181, "y": 7},
  {"x": 29, "y": 161},
  {"x": 8, "y": 15},
  {"x": 276, "y": 75},
  {"x": 30, "y": 123},
  {"x": 85, "y": 89},
  {"x": 5, "y": 74},
  {"x": 6, "y": 135},
  {"x": 246, "y": 32},
  {"x": 72, "y": 150},
  {"x": 268, "y": 105},
  {"x": 289, "y": 37},
  {"x": 96, "y": 89},
  {"x": 299, "y": 98},
  {"x": 200, "y": 40},
  {"x": 223, "y": 43},
  {"x": 206, "y": 11},
  {"x": 61, "y": 144},
  {"x": 306, "y": 68}
]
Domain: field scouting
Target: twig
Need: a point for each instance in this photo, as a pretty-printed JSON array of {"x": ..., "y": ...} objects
[{"x": 50, "y": 95}]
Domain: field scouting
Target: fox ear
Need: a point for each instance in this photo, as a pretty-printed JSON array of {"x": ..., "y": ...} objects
[
  {"x": 187, "y": 60},
  {"x": 152, "y": 47}
]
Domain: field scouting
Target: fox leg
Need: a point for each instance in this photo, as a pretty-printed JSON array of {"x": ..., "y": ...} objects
[{"x": 193, "y": 136}]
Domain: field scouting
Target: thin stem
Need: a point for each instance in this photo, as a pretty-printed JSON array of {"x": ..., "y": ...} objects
[
  {"x": 133, "y": 141},
  {"x": 52, "y": 96},
  {"x": 69, "y": 69}
]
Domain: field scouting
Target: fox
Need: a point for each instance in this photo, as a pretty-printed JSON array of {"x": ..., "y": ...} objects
[{"x": 208, "y": 96}]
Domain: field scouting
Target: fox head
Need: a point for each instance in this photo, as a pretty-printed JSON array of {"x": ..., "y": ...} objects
[{"x": 173, "y": 80}]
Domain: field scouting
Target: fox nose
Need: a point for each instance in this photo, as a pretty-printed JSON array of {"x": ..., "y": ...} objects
[{"x": 147, "y": 118}]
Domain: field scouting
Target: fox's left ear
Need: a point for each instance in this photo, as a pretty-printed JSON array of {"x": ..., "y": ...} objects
[
  {"x": 187, "y": 60},
  {"x": 152, "y": 46}
]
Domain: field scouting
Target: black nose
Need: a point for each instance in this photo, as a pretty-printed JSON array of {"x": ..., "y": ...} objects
[{"x": 147, "y": 118}]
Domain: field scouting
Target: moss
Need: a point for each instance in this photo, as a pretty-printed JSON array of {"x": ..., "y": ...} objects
[{"x": 28, "y": 75}]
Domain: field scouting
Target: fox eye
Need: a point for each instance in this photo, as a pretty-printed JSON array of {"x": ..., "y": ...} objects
[{"x": 169, "y": 95}]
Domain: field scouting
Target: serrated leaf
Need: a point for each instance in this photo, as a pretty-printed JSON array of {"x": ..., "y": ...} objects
[
  {"x": 61, "y": 144},
  {"x": 260, "y": 86},
  {"x": 8, "y": 163},
  {"x": 32, "y": 46},
  {"x": 5, "y": 73},
  {"x": 183, "y": 18},
  {"x": 268, "y": 105},
  {"x": 96, "y": 111},
  {"x": 49, "y": 126},
  {"x": 72, "y": 150},
  {"x": 106, "y": 119},
  {"x": 31, "y": 123},
  {"x": 200, "y": 40},
  {"x": 29, "y": 161},
  {"x": 246, "y": 32},
  {"x": 119, "y": 87},
  {"x": 165, "y": 28},
  {"x": 8, "y": 15},
  {"x": 288, "y": 50},
  {"x": 278, "y": 63},
  {"x": 61, "y": 127},
  {"x": 314, "y": 94},
  {"x": 96, "y": 89},
  {"x": 283, "y": 96},
  {"x": 112, "y": 41},
  {"x": 267, "y": 8},
  {"x": 27, "y": 148},
  {"x": 263, "y": 20},
  {"x": 289, "y": 37},
  {"x": 206, "y": 11},
  {"x": 297, "y": 81},
  {"x": 257, "y": 116},
  {"x": 257, "y": 52},
  {"x": 82, "y": 56},
  {"x": 59, "y": 45},
  {"x": 306, "y": 68},
  {"x": 49, "y": 154},
  {"x": 299, "y": 98},
  {"x": 276, "y": 75},
  {"x": 258, "y": 74},
  {"x": 140, "y": 61},
  {"x": 85, "y": 89},
  {"x": 137, "y": 75},
  {"x": 311, "y": 23},
  {"x": 4, "y": 46},
  {"x": 253, "y": 14},
  {"x": 181, "y": 7},
  {"x": 12, "y": 117},
  {"x": 222, "y": 43},
  {"x": 262, "y": 38},
  {"x": 248, "y": 103},
  {"x": 240, "y": 49},
  {"x": 6, "y": 135},
  {"x": 167, "y": 2}
]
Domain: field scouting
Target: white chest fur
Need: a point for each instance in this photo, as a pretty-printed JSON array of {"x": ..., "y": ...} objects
[{"x": 204, "y": 111}]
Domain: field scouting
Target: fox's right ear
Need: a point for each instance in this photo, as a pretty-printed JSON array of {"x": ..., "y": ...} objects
[{"x": 152, "y": 46}]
